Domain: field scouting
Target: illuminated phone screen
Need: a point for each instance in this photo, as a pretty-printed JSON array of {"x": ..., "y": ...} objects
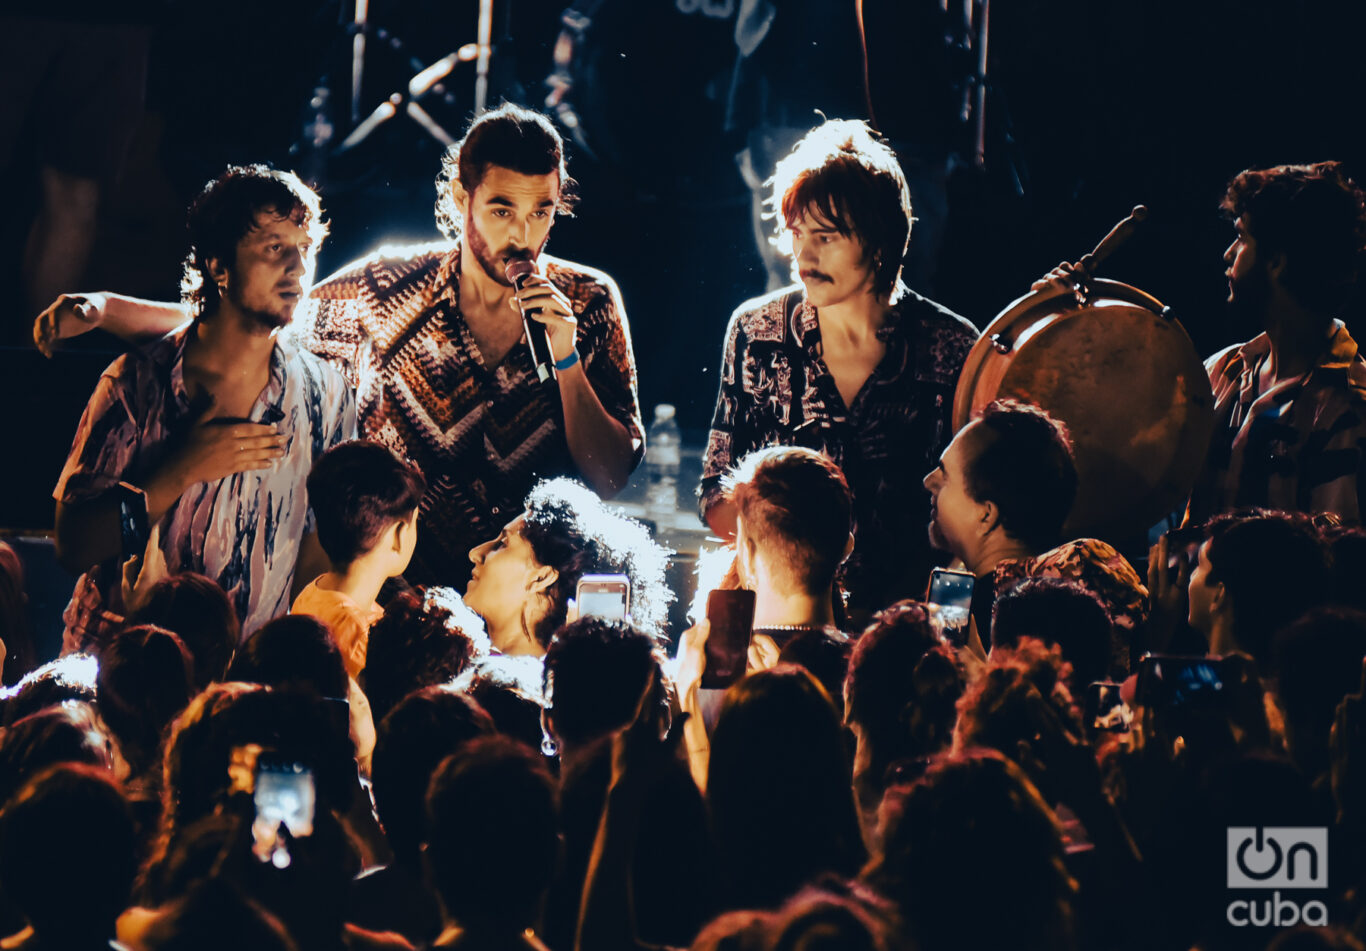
[{"x": 604, "y": 604}]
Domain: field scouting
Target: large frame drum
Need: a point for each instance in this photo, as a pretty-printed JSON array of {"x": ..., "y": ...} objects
[{"x": 1124, "y": 377}]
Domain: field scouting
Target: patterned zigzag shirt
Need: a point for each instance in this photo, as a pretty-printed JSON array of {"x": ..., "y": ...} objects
[{"x": 481, "y": 435}]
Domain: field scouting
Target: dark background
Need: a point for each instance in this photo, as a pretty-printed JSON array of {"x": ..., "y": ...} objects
[{"x": 1094, "y": 107}]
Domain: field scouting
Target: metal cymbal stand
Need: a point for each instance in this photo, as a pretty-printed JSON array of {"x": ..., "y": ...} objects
[{"x": 429, "y": 80}]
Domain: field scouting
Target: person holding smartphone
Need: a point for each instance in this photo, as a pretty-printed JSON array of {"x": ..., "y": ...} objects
[{"x": 794, "y": 527}]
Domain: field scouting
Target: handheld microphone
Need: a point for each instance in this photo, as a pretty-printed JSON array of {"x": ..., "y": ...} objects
[{"x": 517, "y": 270}]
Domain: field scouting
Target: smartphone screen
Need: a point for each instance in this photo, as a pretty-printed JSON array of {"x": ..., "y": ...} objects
[
  {"x": 731, "y": 615},
  {"x": 1174, "y": 682},
  {"x": 1105, "y": 708},
  {"x": 1183, "y": 549},
  {"x": 604, "y": 596},
  {"x": 951, "y": 591},
  {"x": 284, "y": 795}
]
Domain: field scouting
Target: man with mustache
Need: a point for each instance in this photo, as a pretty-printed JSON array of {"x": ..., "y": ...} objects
[
  {"x": 201, "y": 442},
  {"x": 432, "y": 339},
  {"x": 849, "y": 362}
]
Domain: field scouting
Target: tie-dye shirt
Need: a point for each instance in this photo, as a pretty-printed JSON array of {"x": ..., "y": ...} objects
[{"x": 243, "y": 531}]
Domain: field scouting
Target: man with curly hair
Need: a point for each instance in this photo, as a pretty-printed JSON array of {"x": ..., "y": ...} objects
[
  {"x": 205, "y": 438},
  {"x": 1289, "y": 404}
]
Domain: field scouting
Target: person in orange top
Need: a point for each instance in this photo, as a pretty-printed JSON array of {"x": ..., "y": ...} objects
[{"x": 365, "y": 502}]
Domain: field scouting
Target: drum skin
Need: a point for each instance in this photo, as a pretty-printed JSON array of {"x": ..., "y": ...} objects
[{"x": 1127, "y": 382}]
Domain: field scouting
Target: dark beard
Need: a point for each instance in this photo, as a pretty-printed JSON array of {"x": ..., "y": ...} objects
[{"x": 492, "y": 264}]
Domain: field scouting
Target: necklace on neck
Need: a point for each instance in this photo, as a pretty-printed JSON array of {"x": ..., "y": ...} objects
[{"x": 792, "y": 627}]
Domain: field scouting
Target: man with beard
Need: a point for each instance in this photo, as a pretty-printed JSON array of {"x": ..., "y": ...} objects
[
  {"x": 1290, "y": 404},
  {"x": 207, "y": 435},
  {"x": 432, "y": 339}
]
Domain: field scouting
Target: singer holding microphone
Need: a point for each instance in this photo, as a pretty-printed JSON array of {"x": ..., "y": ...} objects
[{"x": 485, "y": 361}]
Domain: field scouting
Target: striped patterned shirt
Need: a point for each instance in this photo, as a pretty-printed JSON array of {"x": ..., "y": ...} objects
[{"x": 1299, "y": 447}]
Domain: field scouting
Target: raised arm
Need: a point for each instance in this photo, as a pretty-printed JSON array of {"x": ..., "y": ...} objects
[
  {"x": 128, "y": 318},
  {"x": 607, "y": 920}
]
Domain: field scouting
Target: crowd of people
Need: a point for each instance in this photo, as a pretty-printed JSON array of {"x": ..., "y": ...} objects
[{"x": 330, "y": 677}]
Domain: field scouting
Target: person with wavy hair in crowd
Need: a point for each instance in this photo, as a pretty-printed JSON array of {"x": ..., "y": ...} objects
[
  {"x": 1021, "y": 707},
  {"x": 900, "y": 697},
  {"x": 417, "y": 643},
  {"x": 197, "y": 611},
  {"x": 972, "y": 857},
  {"x": 524, "y": 579}
]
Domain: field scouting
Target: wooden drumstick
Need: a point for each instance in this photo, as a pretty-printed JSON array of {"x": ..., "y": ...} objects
[{"x": 1117, "y": 236}]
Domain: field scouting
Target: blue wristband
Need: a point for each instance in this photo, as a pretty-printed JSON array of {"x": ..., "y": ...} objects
[{"x": 568, "y": 361}]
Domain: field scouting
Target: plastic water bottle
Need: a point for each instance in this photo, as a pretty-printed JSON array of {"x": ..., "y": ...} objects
[{"x": 663, "y": 451}]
